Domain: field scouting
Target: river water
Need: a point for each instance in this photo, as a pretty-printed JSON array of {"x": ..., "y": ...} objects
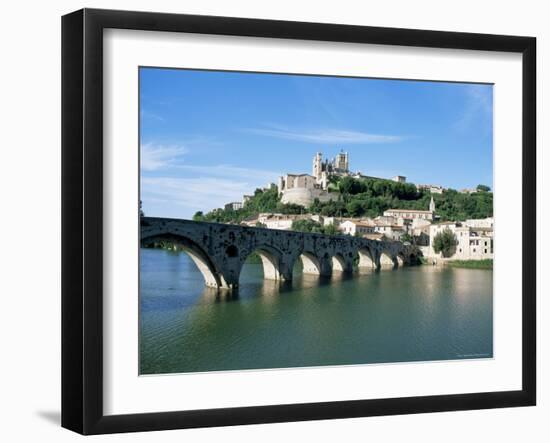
[{"x": 420, "y": 313}]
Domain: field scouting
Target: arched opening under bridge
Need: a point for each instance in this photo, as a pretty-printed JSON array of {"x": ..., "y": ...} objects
[
  {"x": 400, "y": 260},
  {"x": 338, "y": 263},
  {"x": 387, "y": 261},
  {"x": 309, "y": 264},
  {"x": 366, "y": 260},
  {"x": 270, "y": 260},
  {"x": 212, "y": 278}
]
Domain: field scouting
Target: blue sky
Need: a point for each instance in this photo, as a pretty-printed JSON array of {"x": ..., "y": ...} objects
[{"x": 208, "y": 137}]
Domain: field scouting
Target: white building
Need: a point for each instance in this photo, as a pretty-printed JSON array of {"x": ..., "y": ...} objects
[
  {"x": 233, "y": 205},
  {"x": 279, "y": 221},
  {"x": 474, "y": 243},
  {"x": 474, "y": 239},
  {"x": 480, "y": 223},
  {"x": 390, "y": 231},
  {"x": 400, "y": 179},
  {"x": 412, "y": 214},
  {"x": 388, "y": 220},
  {"x": 325, "y": 221},
  {"x": 434, "y": 189},
  {"x": 357, "y": 227}
]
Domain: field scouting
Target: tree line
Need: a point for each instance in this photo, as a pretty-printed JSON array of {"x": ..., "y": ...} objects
[{"x": 363, "y": 197}]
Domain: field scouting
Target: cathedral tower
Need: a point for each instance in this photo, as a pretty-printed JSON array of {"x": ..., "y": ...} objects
[
  {"x": 317, "y": 165},
  {"x": 341, "y": 162},
  {"x": 432, "y": 205}
]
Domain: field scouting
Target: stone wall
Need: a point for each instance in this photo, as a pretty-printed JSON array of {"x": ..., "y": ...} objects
[{"x": 305, "y": 197}]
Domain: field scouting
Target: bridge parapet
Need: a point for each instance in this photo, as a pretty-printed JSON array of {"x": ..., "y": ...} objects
[{"x": 220, "y": 250}]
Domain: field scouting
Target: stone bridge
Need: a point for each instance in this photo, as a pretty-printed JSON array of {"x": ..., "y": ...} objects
[{"x": 220, "y": 250}]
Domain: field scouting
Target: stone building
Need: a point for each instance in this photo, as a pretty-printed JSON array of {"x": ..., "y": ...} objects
[
  {"x": 324, "y": 169},
  {"x": 474, "y": 239},
  {"x": 390, "y": 231},
  {"x": 303, "y": 189},
  {"x": 433, "y": 189},
  {"x": 400, "y": 179},
  {"x": 357, "y": 227},
  {"x": 480, "y": 222},
  {"x": 474, "y": 243},
  {"x": 412, "y": 214},
  {"x": 233, "y": 205},
  {"x": 279, "y": 221}
]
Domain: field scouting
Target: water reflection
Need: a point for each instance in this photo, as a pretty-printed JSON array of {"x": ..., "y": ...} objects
[{"x": 409, "y": 314}]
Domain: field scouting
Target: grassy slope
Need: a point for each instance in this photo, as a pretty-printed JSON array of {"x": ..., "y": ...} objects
[{"x": 472, "y": 264}]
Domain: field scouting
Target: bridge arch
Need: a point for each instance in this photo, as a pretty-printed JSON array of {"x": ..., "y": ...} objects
[
  {"x": 400, "y": 259},
  {"x": 271, "y": 259},
  {"x": 387, "y": 260},
  {"x": 338, "y": 263},
  {"x": 414, "y": 258},
  {"x": 212, "y": 278},
  {"x": 366, "y": 259},
  {"x": 219, "y": 250},
  {"x": 310, "y": 263}
]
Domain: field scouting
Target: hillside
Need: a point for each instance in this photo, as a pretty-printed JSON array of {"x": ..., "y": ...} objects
[{"x": 365, "y": 198}]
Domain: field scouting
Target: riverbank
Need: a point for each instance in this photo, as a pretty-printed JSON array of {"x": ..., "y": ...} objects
[{"x": 471, "y": 264}]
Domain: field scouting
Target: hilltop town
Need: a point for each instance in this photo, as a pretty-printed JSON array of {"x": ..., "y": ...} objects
[{"x": 334, "y": 200}]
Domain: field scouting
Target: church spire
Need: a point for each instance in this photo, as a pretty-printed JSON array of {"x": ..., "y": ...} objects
[{"x": 432, "y": 204}]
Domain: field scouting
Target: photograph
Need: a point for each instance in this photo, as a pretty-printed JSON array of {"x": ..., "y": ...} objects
[{"x": 291, "y": 221}]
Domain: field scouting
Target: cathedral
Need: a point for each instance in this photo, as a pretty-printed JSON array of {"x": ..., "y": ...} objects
[
  {"x": 303, "y": 189},
  {"x": 322, "y": 170}
]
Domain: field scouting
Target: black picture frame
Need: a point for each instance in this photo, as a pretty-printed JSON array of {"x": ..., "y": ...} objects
[{"x": 82, "y": 218}]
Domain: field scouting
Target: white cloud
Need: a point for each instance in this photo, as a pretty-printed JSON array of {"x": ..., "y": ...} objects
[
  {"x": 166, "y": 193},
  {"x": 151, "y": 116},
  {"x": 229, "y": 171},
  {"x": 480, "y": 97},
  {"x": 478, "y": 109},
  {"x": 154, "y": 157},
  {"x": 328, "y": 136},
  {"x": 174, "y": 196}
]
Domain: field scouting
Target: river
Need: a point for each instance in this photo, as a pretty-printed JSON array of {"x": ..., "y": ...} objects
[{"x": 419, "y": 313}]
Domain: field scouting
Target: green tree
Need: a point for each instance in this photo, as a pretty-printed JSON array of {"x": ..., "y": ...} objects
[
  {"x": 355, "y": 208},
  {"x": 364, "y": 197},
  {"x": 141, "y": 213},
  {"x": 406, "y": 238},
  {"x": 330, "y": 229},
  {"x": 315, "y": 207},
  {"x": 306, "y": 226},
  {"x": 445, "y": 242},
  {"x": 483, "y": 188},
  {"x": 289, "y": 208}
]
